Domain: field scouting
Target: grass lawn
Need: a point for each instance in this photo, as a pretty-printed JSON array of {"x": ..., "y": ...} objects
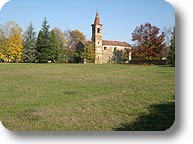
[{"x": 86, "y": 97}]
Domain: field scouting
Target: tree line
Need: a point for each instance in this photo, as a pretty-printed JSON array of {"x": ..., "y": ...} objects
[
  {"x": 71, "y": 46},
  {"x": 46, "y": 46}
]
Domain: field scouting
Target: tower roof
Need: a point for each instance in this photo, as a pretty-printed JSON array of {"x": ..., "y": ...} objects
[{"x": 97, "y": 19}]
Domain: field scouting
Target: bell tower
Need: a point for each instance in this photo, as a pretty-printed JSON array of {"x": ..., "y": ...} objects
[{"x": 97, "y": 38}]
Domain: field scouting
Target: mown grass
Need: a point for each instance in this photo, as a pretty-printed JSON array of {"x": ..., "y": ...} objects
[{"x": 85, "y": 97}]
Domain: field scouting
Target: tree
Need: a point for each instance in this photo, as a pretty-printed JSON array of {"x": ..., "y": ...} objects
[
  {"x": 127, "y": 55},
  {"x": 3, "y": 43},
  {"x": 73, "y": 38},
  {"x": 60, "y": 45},
  {"x": 3, "y": 48},
  {"x": 53, "y": 53},
  {"x": 89, "y": 54},
  {"x": 12, "y": 28},
  {"x": 15, "y": 47},
  {"x": 168, "y": 36},
  {"x": 149, "y": 43},
  {"x": 77, "y": 36},
  {"x": 118, "y": 56},
  {"x": 171, "y": 56},
  {"x": 43, "y": 43},
  {"x": 11, "y": 42},
  {"x": 29, "y": 45}
]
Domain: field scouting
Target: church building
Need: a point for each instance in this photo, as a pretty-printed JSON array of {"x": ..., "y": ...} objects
[{"x": 105, "y": 49}]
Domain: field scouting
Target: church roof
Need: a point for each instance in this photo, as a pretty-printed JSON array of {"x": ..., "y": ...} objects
[
  {"x": 116, "y": 43},
  {"x": 97, "y": 19}
]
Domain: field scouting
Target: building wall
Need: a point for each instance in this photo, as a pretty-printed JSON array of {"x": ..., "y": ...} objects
[{"x": 108, "y": 51}]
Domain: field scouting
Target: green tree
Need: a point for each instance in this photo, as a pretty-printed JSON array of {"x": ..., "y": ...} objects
[
  {"x": 53, "y": 53},
  {"x": 43, "y": 43},
  {"x": 149, "y": 43},
  {"x": 171, "y": 56},
  {"x": 61, "y": 45},
  {"x": 29, "y": 45},
  {"x": 89, "y": 54}
]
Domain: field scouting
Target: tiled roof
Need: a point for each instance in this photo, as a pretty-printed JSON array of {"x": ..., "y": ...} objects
[{"x": 116, "y": 43}]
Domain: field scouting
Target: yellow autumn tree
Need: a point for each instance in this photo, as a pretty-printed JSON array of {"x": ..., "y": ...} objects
[
  {"x": 15, "y": 47},
  {"x": 2, "y": 48},
  {"x": 11, "y": 43}
]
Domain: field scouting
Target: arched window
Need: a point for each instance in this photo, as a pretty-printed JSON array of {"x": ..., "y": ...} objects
[{"x": 98, "y": 30}]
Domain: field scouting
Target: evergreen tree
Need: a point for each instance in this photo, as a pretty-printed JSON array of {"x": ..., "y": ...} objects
[
  {"x": 38, "y": 47},
  {"x": 53, "y": 53},
  {"x": 43, "y": 43},
  {"x": 29, "y": 45},
  {"x": 171, "y": 56}
]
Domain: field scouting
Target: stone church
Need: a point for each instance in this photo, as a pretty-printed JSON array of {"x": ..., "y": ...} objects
[{"x": 105, "y": 49}]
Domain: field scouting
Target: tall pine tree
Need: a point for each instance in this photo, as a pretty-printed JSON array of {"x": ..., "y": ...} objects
[
  {"x": 29, "y": 45},
  {"x": 43, "y": 43}
]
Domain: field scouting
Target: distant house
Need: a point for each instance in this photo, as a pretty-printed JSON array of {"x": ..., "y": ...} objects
[{"x": 105, "y": 49}]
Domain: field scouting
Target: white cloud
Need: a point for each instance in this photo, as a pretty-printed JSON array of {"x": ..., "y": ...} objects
[{"x": 2, "y": 2}]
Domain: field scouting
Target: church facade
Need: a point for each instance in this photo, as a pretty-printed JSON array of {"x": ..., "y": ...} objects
[{"x": 105, "y": 50}]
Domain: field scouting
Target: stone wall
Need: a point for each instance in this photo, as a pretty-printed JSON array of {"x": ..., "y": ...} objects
[{"x": 108, "y": 52}]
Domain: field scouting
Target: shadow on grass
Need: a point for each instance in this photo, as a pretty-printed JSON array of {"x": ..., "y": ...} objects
[
  {"x": 160, "y": 118},
  {"x": 166, "y": 66}
]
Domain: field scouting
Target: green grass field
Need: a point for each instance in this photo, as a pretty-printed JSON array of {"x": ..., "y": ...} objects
[{"x": 86, "y": 97}]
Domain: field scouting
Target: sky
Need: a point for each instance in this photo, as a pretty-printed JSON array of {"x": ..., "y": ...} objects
[{"x": 119, "y": 17}]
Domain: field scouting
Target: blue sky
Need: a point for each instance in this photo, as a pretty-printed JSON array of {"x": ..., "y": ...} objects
[{"x": 119, "y": 17}]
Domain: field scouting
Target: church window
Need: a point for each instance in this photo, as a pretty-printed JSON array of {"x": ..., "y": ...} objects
[
  {"x": 98, "y": 42},
  {"x": 98, "y": 30},
  {"x": 105, "y": 48},
  {"x": 115, "y": 48}
]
